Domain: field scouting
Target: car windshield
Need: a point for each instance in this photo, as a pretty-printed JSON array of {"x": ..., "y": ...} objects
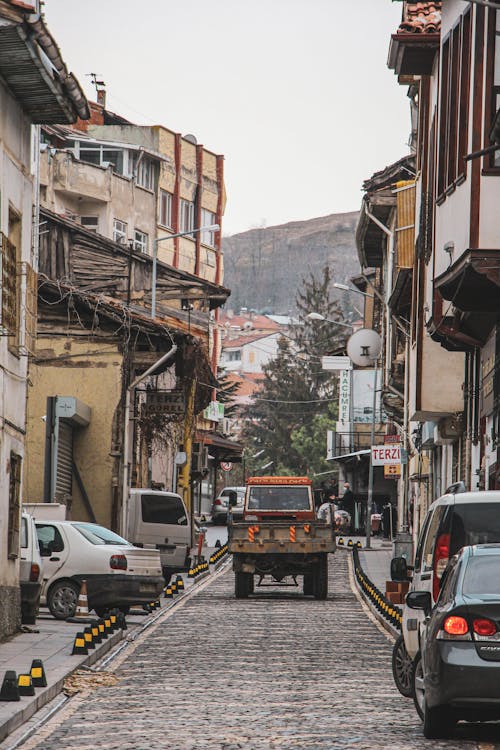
[
  {"x": 278, "y": 498},
  {"x": 482, "y": 577},
  {"x": 99, "y": 535}
]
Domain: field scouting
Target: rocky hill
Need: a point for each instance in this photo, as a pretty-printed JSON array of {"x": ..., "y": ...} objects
[{"x": 264, "y": 267}]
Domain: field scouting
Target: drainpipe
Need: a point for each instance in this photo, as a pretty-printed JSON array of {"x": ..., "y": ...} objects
[
  {"x": 390, "y": 269},
  {"x": 126, "y": 434}
]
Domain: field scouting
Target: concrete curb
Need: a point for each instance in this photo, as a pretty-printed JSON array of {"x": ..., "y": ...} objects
[{"x": 45, "y": 695}]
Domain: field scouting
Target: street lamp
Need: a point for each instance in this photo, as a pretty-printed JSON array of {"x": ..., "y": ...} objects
[
  {"x": 319, "y": 316},
  {"x": 210, "y": 228},
  {"x": 346, "y": 288}
]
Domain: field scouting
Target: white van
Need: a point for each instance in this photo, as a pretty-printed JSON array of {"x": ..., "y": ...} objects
[
  {"x": 158, "y": 519},
  {"x": 453, "y": 521}
]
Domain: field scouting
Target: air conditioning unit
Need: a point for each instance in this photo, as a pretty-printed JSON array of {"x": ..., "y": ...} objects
[
  {"x": 449, "y": 430},
  {"x": 199, "y": 458}
]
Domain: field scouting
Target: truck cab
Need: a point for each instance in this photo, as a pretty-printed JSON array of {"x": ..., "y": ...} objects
[{"x": 284, "y": 498}]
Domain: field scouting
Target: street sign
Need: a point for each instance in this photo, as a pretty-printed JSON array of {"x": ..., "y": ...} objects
[
  {"x": 226, "y": 465},
  {"x": 392, "y": 471},
  {"x": 165, "y": 402},
  {"x": 336, "y": 363},
  {"x": 214, "y": 411},
  {"x": 386, "y": 454}
]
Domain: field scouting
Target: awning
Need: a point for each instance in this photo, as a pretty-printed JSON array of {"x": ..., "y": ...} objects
[
  {"x": 449, "y": 334},
  {"x": 221, "y": 448},
  {"x": 350, "y": 455},
  {"x": 472, "y": 283}
]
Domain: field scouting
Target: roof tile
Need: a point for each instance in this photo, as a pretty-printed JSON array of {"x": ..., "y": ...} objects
[{"x": 421, "y": 18}]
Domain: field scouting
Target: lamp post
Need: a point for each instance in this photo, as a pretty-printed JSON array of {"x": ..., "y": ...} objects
[
  {"x": 320, "y": 317},
  {"x": 210, "y": 228}
]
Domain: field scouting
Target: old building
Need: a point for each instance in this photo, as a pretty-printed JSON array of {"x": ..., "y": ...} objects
[
  {"x": 113, "y": 195},
  {"x": 45, "y": 93}
]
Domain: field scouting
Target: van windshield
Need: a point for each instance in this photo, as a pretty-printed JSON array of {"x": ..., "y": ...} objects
[
  {"x": 474, "y": 523},
  {"x": 278, "y": 498},
  {"x": 163, "y": 509}
]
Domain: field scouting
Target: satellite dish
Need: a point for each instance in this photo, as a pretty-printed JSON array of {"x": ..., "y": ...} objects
[
  {"x": 191, "y": 138},
  {"x": 364, "y": 347}
]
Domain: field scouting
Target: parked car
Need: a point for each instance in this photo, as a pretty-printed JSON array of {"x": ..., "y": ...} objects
[
  {"x": 30, "y": 571},
  {"x": 117, "y": 573},
  {"x": 220, "y": 504},
  {"x": 159, "y": 520},
  {"x": 452, "y": 521},
  {"x": 457, "y": 675}
]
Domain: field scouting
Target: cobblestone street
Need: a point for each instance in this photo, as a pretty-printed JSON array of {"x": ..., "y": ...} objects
[{"x": 276, "y": 671}]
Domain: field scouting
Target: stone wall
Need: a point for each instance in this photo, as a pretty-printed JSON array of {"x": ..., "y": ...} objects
[{"x": 10, "y": 610}]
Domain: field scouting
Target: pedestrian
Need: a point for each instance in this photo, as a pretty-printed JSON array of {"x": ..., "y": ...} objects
[
  {"x": 348, "y": 502},
  {"x": 326, "y": 511}
]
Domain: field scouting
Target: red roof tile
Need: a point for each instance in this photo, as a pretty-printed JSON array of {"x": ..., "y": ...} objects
[{"x": 421, "y": 18}]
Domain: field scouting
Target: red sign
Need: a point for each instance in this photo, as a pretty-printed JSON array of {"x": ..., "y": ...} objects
[{"x": 226, "y": 465}]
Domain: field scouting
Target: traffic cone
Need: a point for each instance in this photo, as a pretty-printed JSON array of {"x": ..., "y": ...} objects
[
  {"x": 340, "y": 542},
  {"x": 25, "y": 685},
  {"x": 96, "y": 636},
  {"x": 37, "y": 673},
  {"x": 79, "y": 646},
  {"x": 89, "y": 641},
  {"x": 82, "y": 613},
  {"x": 9, "y": 690}
]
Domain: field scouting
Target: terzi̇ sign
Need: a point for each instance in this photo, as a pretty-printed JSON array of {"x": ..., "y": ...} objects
[{"x": 386, "y": 454}]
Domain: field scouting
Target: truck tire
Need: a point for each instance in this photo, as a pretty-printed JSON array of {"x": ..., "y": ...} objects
[
  {"x": 308, "y": 584},
  {"x": 242, "y": 585},
  {"x": 320, "y": 583}
]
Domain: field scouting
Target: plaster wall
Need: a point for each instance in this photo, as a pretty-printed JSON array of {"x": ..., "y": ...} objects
[
  {"x": 90, "y": 371},
  {"x": 442, "y": 375},
  {"x": 16, "y": 194}
]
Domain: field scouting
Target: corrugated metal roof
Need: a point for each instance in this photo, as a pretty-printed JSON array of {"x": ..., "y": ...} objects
[{"x": 32, "y": 69}]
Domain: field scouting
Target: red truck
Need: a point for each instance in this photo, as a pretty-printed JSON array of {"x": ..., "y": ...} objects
[{"x": 280, "y": 537}]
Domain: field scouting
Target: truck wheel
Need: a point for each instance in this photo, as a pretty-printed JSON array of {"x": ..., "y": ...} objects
[
  {"x": 308, "y": 584},
  {"x": 320, "y": 583},
  {"x": 242, "y": 585}
]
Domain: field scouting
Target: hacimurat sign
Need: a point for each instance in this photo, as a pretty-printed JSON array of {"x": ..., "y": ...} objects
[{"x": 382, "y": 455}]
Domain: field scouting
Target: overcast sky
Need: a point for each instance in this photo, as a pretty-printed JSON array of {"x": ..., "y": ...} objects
[{"x": 295, "y": 93}]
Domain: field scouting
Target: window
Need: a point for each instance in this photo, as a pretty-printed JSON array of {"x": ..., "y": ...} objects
[
  {"x": 90, "y": 222},
  {"x": 165, "y": 208},
  {"x": 49, "y": 539},
  {"x": 234, "y": 356},
  {"x": 144, "y": 172},
  {"x": 430, "y": 541},
  {"x": 97, "y": 153},
  {"x": 187, "y": 216},
  {"x": 14, "y": 506},
  {"x": 119, "y": 231},
  {"x": 99, "y": 535},
  {"x": 163, "y": 509},
  {"x": 454, "y": 106},
  {"x": 207, "y": 220},
  {"x": 493, "y": 79},
  {"x": 140, "y": 241},
  {"x": 9, "y": 286}
]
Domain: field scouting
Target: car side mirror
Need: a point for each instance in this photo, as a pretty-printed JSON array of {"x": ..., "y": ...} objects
[
  {"x": 232, "y": 499},
  {"x": 420, "y": 600},
  {"x": 399, "y": 569}
]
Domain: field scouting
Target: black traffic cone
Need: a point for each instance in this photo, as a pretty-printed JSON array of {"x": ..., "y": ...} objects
[
  {"x": 37, "y": 673},
  {"x": 10, "y": 690},
  {"x": 25, "y": 684}
]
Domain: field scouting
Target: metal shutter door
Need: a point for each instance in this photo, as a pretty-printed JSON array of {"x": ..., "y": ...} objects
[{"x": 64, "y": 472}]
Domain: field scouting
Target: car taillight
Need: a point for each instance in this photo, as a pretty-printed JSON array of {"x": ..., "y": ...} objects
[
  {"x": 483, "y": 626},
  {"x": 441, "y": 557},
  {"x": 34, "y": 572},
  {"x": 455, "y": 625},
  {"x": 118, "y": 562}
]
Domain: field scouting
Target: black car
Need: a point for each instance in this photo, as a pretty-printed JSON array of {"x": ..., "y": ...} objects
[{"x": 458, "y": 674}]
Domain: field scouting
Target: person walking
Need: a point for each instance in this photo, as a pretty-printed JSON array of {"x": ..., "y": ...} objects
[{"x": 348, "y": 503}]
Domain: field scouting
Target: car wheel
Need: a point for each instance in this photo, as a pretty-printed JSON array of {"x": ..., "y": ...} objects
[
  {"x": 402, "y": 668},
  {"x": 62, "y": 599},
  {"x": 320, "y": 580},
  {"x": 438, "y": 722},
  {"x": 418, "y": 686},
  {"x": 242, "y": 585}
]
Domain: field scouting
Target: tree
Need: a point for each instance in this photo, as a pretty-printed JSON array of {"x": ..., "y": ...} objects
[{"x": 297, "y": 402}]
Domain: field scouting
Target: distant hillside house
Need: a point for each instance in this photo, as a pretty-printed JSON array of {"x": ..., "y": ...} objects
[{"x": 248, "y": 353}]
